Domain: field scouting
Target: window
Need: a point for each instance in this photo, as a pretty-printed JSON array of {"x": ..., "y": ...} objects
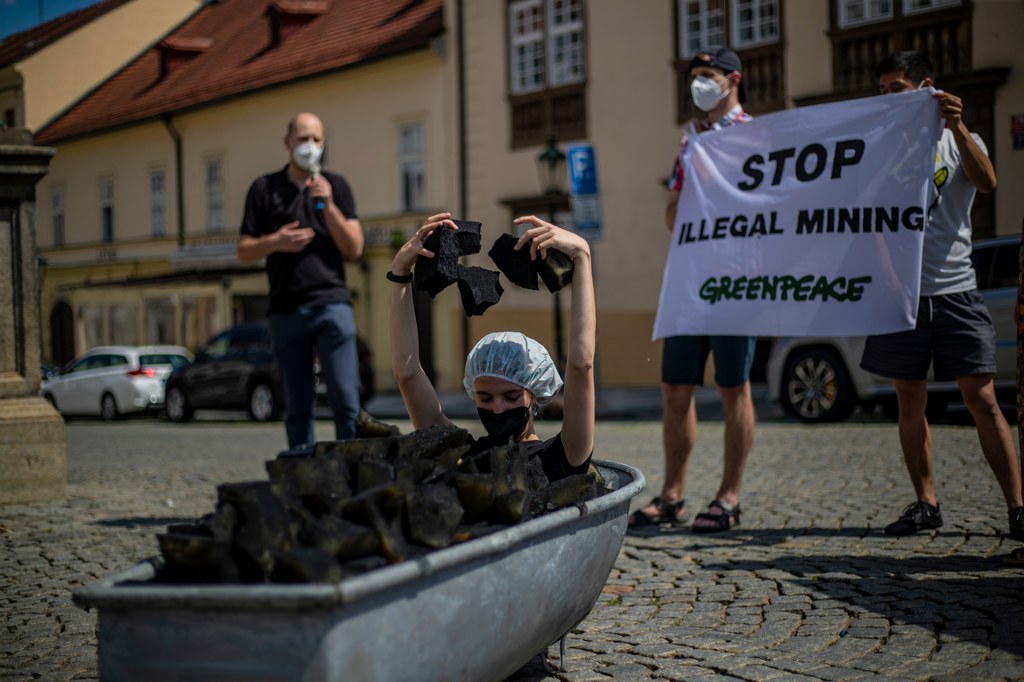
[
  {"x": 57, "y": 203},
  {"x": 547, "y": 70},
  {"x": 756, "y": 23},
  {"x": 158, "y": 320},
  {"x": 106, "y": 210},
  {"x": 856, "y": 12},
  {"x": 9, "y": 118},
  {"x": 752, "y": 28},
  {"x": 410, "y": 166},
  {"x": 121, "y": 324},
  {"x": 157, "y": 203},
  {"x": 701, "y": 25},
  {"x": 915, "y": 6},
  {"x": 214, "y": 195}
]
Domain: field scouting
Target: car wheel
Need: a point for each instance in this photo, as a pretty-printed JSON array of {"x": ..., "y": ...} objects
[
  {"x": 177, "y": 406},
  {"x": 816, "y": 386},
  {"x": 263, "y": 404},
  {"x": 108, "y": 408}
]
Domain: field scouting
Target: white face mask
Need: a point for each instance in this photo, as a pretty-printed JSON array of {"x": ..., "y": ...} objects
[
  {"x": 307, "y": 154},
  {"x": 706, "y": 93}
]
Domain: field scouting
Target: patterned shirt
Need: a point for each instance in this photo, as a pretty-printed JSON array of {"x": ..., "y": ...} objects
[{"x": 735, "y": 115}]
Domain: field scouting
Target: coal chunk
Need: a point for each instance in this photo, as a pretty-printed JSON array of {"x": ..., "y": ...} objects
[
  {"x": 368, "y": 426},
  {"x": 468, "y": 236},
  {"x": 434, "y": 275},
  {"x": 306, "y": 565},
  {"x": 432, "y": 513},
  {"x": 479, "y": 288},
  {"x": 515, "y": 265}
]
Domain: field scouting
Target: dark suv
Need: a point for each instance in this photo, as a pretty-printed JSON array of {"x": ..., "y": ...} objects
[{"x": 236, "y": 369}]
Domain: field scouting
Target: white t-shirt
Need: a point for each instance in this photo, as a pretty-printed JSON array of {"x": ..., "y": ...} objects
[{"x": 946, "y": 266}]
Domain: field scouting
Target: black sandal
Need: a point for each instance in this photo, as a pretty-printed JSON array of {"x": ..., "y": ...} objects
[
  {"x": 668, "y": 512},
  {"x": 1017, "y": 523},
  {"x": 726, "y": 518}
]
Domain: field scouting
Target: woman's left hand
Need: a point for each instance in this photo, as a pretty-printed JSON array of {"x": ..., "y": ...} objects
[
  {"x": 406, "y": 257},
  {"x": 543, "y": 236}
]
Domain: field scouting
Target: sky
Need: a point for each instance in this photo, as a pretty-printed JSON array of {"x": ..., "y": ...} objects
[{"x": 17, "y": 15}]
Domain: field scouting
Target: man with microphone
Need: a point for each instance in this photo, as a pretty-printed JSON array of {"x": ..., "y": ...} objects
[{"x": 303, "y": 221}]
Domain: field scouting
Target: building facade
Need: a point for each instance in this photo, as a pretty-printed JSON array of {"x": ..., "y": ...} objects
[{"x": 435, "y": 105}]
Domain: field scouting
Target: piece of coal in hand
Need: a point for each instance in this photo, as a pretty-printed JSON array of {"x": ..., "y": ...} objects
[
  {"x": 556, "y": 270},
  {"x": 468, "y": 236},
  {"x": 515, "y": 265},
  {"x": 479, "y": 288},
  {"x": 434, "y": 275}
]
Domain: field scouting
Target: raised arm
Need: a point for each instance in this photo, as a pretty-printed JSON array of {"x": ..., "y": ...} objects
[
  {"x": 977, "y": 166},
  {"x": 419, "y": 395},
  {"x": 579, "y": 393}
]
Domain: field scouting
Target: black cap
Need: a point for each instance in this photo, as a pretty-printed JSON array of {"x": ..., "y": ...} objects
[{"x": 720, "y": 58}]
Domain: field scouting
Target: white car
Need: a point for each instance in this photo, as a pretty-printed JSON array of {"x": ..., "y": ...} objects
[
  {"x": 819, "y": 379},
  {"x": 110, "y": 381}
]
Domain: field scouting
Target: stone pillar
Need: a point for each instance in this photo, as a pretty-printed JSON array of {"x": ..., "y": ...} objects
[{"x": 33, "y": 461}]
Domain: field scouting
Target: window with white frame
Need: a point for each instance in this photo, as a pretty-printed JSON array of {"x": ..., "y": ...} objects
[
  {"x": 701, "y": 25},
  {"x": 214, "y": 194},
  {"x": 546, "y": 70},
  {"x": 157, "y": 202},
  {"x": 755, "y": 22},
  {"x": 545, "y": 43},
  {"x": 411, "y": 166},
  {"x": 915, "y": 6},
  {"x": 57, "y": 211},
  {"x": 106, "y": 210},
  {"x": 856, "y": 12}
]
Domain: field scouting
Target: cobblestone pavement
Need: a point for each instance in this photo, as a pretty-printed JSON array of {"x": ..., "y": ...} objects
[{"x": 806, "y": 588}]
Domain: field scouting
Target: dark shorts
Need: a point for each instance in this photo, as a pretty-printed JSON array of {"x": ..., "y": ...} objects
[
  {"x": 954, "y": 332},
  {"x": 683, "y": 359}
]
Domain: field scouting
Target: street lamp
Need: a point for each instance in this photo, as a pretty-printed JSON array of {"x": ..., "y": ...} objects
[{"x": 551, "y": 171}]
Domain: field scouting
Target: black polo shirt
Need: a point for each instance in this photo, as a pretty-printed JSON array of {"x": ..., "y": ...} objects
[{"x": 316, "y": 275}]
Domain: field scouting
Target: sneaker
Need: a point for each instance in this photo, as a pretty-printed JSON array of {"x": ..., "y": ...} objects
[
  {"x": 918, "y": 516},
  {"x": 1017, "y": 523}
]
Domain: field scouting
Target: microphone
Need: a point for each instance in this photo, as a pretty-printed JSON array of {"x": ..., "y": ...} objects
[{"x": 314, "y": 173}]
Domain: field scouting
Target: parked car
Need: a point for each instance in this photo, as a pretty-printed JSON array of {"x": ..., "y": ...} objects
[
  {"x": 111, "y": 381},
  {"x": 819, "y": 379},
  {"x": 237, "y": 370}
]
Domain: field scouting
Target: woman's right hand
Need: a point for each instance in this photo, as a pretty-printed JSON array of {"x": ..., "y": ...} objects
[{"x": 406, "y": 257}]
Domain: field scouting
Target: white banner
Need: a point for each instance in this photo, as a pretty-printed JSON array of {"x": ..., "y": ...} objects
[{"x": 804, "y": 222}]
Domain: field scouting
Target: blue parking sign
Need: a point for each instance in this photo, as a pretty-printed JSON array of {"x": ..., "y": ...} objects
[{"x": 583, "y": 191}]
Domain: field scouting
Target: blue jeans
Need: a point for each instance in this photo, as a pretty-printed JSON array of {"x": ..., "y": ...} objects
[{"x": 330, "y": 330}]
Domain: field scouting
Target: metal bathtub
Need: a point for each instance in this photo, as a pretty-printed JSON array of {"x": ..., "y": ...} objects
[{"x": 479, "y": 610}]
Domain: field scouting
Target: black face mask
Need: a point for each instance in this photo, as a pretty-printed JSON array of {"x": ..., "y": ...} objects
[{"x": 508, "y": 424}]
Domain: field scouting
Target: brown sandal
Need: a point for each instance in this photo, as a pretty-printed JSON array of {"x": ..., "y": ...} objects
[
  {"x": 668, "y": 512},
  {"x": 1016, "y": 557}
]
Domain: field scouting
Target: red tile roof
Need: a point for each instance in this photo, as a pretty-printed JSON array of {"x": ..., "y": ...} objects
[
  {"x": 239, "y": 57},
  {"x": 22, "y": 44}
]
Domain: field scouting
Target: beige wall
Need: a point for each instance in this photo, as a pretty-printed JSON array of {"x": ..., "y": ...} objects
[
  {"x": 996, "y": 39},
  {"x": 808, "y": 62},
  {"x": 59, "y": 74}
]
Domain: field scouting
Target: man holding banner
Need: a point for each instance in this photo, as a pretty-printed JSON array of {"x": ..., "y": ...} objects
[
  {"x": 716, "y": 88},
  {"x": 953, "y": 329}
]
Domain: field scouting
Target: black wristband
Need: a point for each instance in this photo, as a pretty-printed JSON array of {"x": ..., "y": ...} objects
[{"x": 399, "y": 279}]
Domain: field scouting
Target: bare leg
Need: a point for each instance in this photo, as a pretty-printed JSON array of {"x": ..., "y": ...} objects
[
  {"x": 679, "y": 433},
  {"x": 993, "y": 434},
  {"x": 916, "y": 437},
  {"x": 738, "y": 410}
]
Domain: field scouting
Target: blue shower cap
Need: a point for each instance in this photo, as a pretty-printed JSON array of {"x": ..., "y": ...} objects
[{"x": 514, "y": 357}]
